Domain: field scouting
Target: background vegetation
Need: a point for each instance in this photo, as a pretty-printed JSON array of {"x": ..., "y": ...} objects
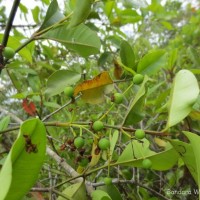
[{"x": 67, "y": 68}]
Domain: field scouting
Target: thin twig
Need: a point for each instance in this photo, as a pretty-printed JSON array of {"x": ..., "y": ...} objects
[
  {"x": 59, "y": 109},
  {"x": 116, "y": 181}
]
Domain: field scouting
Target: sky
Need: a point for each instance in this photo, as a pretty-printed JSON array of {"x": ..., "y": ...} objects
[{"x": 33, "y": 3}]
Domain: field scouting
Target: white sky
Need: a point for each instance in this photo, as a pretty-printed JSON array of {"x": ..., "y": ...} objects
[{"x": 33, "y": 3}]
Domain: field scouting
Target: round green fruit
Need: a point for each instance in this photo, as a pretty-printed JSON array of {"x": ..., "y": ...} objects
[
  {"x": 118, "y": 98},
  {"x": 79, "y": 142},
  {"x": 138, "y": 78},
  {"x": 97, "y": 126},
  {"x": 107, "y": 180},
  {"x": 69, "y": 91},
  {"x": 146, "y": 163},
  {"x": 8, "y": 52},
  {"x": 139, "y": 134},
  {"x": 104, "y": 144}
]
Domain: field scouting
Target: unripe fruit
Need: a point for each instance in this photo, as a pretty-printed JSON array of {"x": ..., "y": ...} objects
[
  {"x": 139, "y": 134},
  {"x": 69, "y": 91},
  {"x": 8, "y": 52},
  {"x": 138, "y": 78},
  {"x": 79, "y": 142},
  {"x": 146, "y": 163},
  {"x": 118, "y": 98},
  {"x": 97, "y": 125},
  {"x": 104, "y": 144},
  {"x": 107, "y": 180}
]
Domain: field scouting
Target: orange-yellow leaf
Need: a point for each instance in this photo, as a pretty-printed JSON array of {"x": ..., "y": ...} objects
[
  {"x": 117, "y": 70},
  {"x": 93, "y": 90}
]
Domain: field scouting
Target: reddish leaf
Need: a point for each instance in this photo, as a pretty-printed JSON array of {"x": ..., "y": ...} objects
[{"x": 29, "y": 107}]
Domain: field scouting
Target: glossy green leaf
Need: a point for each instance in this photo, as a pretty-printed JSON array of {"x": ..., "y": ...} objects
[
  {"x": 57, "y": 82},
  {"x": 186, "y": 153},
  {"x": 100, "y": 195},
  {"x": 23, "y": 165},
  {"x": 136, "y": 151},
  {"x": 75, "y": 191},
  {"x": 80, "y": 39},
  {"x": 184, "y": 93},
  {"x": 4, "y": 123},
  {"x": 81, "y": 12},
  {"x": 53, "y": 15},
  {"x": 127, "y": 54},
  {"x": 152, "y": 62},
  {"x": 135, "y": 110}
]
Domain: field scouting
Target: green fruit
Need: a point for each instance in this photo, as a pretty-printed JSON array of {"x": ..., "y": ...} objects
[
  {"x": 97, "y": 126},
  {"x": 107, "y": 180},
  {"x": 138, "y": 78},
  {"x": 69, "y": 91},
  {"x": 104, "y": 144},
  {"x": 118, "y": 98},
  {"x": 146, "y": 163},
  {"x": 139, "y": 134},
  {"x": 8, "y": 52},
  {"x": 79, "y": 142}
]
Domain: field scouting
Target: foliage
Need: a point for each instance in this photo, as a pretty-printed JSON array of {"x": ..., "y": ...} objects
[{"x": 95, "y": 48}]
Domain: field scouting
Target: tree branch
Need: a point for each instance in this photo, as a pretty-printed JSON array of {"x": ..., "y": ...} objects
[{"x": 10, "y": 22}]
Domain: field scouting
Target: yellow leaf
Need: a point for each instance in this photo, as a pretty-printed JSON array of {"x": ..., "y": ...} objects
[
  {"x": 96, "y": 153},
  {"x": 160, "y": 142},
  {"x": 93, "y": 90}
]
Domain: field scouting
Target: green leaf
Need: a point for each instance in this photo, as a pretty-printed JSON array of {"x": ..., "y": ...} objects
[
  {"x": 135, "y": 111},
  {"x": 76, "y": 191},
  {"x": 127, "y": 54},
  {"x": 21, "y": 168},
  {"x": 100, "y": 195},
  {"x": 80, "y": 39},
  {"x": 108, "y": 7},
  {"x": 152, "y": 62},
  {"x": 35, "y": 13},
  {"x": 194, "y": 56},
  {"x": 113, "y": 142},
  {"x": 57, "y": 82},
  {"x": 81, "y": 12},
  {"x": 186, "y": 153},
  {"x": 53, "y": 15},
  {"x": 195, "y": 141},
  {"x": 129, "y": 16},
  {"x": 112, "y": 191},
  {"x": 173, "y": 54},
  {"x": 184, "y": 93},
  {"x": 136, "y": 151},
  {"x": 4, "y": 123}
]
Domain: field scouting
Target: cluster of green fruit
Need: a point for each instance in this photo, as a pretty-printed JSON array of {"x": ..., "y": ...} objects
[
  {"x": 103, "y": 143},
  {"x": 140, "y": 134}
]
